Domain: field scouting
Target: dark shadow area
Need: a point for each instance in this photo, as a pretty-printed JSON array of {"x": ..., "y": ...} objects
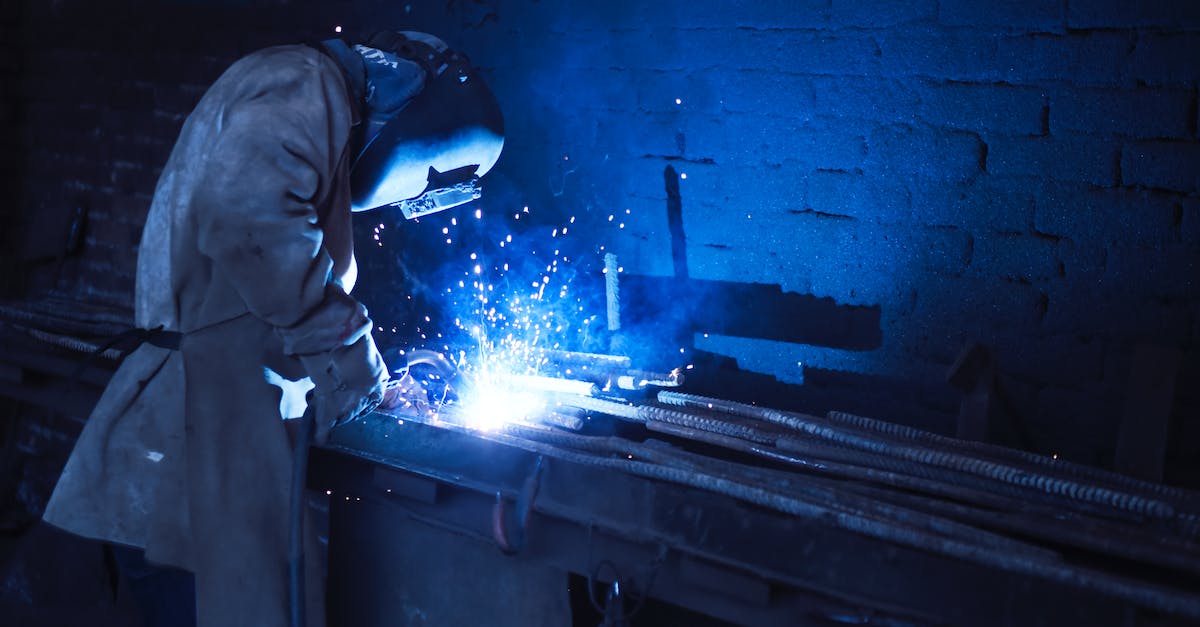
[
  {"x": 12, "y": 158},
  {"x": 749, "y": 310}
]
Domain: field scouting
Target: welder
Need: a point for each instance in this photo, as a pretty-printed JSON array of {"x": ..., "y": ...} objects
[{"x": 244, "y": 273}]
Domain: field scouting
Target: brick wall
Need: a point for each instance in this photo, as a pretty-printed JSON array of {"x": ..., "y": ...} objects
[{"x": 1023, "y": 174}]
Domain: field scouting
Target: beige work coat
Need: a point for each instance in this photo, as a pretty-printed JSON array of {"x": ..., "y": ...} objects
[{"x": 246, "y": 251}]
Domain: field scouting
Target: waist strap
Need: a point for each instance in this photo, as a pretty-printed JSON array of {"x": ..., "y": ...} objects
[
  {"x": 127, "y": 341},
  {"x": 161, "y": 338}
]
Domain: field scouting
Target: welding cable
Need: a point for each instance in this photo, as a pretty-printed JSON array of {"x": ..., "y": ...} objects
[
  {"x": 1150, "y": 595},
  {"x": 1114, "y": 498},
  {"x": 1009, "y": 514},
  {"x": 1074, "y": 472}
]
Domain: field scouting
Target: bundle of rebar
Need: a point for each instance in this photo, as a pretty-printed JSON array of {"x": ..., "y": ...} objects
[{"x": 999, "y": 507}]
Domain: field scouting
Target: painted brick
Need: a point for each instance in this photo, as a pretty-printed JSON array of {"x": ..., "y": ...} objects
[
  {"x": 1166, "y": 58},
  {"x": 735, "y": 138},
  {"x": 1083, "y": 263},
  {"x": 1019, "y": 257},
  {"x": 1173, "y": 165},
  {"x": 865, "y": 98},
  {"x": 852, "y": 261},
  {"x": 801, "y": 52},
  {"x": 1105, "y": 216},
  {"x": 768, "y": 14},
  {"x": 725, "y": 186},
  {"x": 657, "y": 133},
  {"x": 1063, "y": 157},
  {"x": 761, "y": 92},
  {"x": 1081, "y": 309},
  {"x": 980, "y": 206},
  {"x": 1118, "y": 14},
  {"x": 1019, "y": 15},
  {"x": 847, "y": 52},
  {"x": 823, "y": 146},
  {"x": 994, "y": 107},
  {"x": 881, "y": 13},
  {"x": 924, "y": 153},
  {"x": 717, "y": 262},
  {"x": 1079, "y": 58},
  {"x": 954, "y": 54},
  {"x": 1142, "y": 274},
  {"x": 942, "y": 250},
  {"x": 1145, "y": 112},
  {"x": 856, "y": 195},
  {"x": 963, "y": 307},
  {"x": 757, "y": 140},
  {"x": 837, "y": 257}
]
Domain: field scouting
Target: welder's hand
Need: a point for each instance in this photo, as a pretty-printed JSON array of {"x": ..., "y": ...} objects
[{"x": 404, "y": 393}]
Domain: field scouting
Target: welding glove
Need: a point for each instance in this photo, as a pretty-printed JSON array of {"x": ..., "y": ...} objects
[
  {"x": 405, "y": 394},
  {"x": 348, "y": 377}
]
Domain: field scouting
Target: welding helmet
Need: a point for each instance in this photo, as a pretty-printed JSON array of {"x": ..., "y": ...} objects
[{"x": 429, "y": 155}]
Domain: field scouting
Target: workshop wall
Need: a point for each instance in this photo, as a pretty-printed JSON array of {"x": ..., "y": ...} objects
[{"x": 1025, "y": 175}]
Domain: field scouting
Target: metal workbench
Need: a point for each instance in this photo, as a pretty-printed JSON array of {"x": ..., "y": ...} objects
[
  {"x": 831, "y": 520},
  {"x": 603, "y": 516}
]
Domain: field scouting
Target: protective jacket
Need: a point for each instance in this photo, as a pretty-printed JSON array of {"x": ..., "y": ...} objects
[{"x": 247, "y": 252}]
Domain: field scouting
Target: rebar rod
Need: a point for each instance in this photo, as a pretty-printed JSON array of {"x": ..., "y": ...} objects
[
  {"x": 1149, "y": 595},
  {"x": 811, "y": 425}
]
